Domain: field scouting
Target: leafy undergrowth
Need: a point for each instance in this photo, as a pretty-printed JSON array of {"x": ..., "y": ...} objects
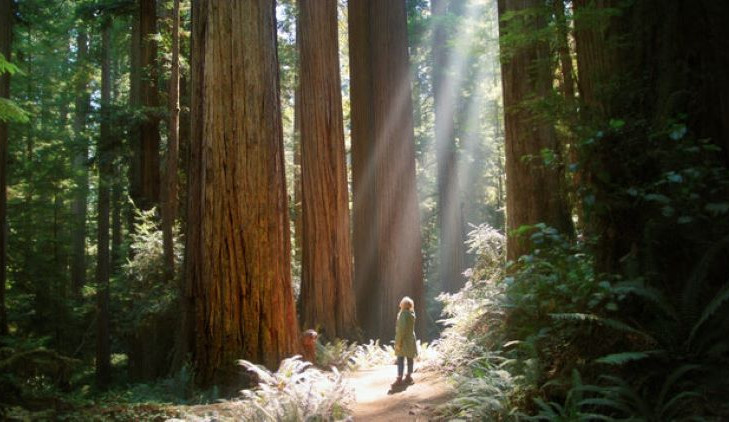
[
  {"x": 297, "y": 391},
  {"x": 553, "y": 340}
]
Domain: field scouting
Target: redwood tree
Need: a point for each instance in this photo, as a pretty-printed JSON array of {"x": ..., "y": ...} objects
[
  {"x": 103, "y": 264},
  {"x": 6, "y": 32},
  {"x": 327, "y": 299},
  {"x": 238, "y": 245},
  {"x": 80, "y": 167},
  {"x": 452, "y": 249},
  {"x": 387, "y": 240},
  {"x": 534, "y": 190},
  {"x": 145, "y": 168},
  {"x": 169, "y": 187}
]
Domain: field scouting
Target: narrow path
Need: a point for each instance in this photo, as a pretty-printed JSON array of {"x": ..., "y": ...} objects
[{"x": 415, "y": 403}]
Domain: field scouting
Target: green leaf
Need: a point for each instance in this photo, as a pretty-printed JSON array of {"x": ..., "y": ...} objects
[
  {"x": 710, "y": 310},
  {"x": 677, "y": 132},
  {"x": 622, "y": 358},
  {"x": 716, "y": 209},
  {"x": 617, "y": 124},
  {"x": 657, "y": 197},
  {"x": 674, "y": 177},
  {"x": 7, "y": 67},
  {"x": 10, "y": 112}
]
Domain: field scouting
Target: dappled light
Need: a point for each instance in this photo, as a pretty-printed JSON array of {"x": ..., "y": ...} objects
[{"x": 386, "y": 210}]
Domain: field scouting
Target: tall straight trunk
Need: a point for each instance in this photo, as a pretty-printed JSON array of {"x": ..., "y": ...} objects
[
  {"x": 103, "y": 347},
  {"x": 669, "y": 56},
  {"x": 116, "y": 186},
  {"x": 297, "y": 217},
  {"x": 387, "y": 240},
  {"x": 452, "y": 249},
  {"x": 6, "y": 35},
  {"x": 327, "y": 298},
  {"x": 145, "y": 168},
  {"x": 169, "y": 188},
  {"x": 80, "y": 167},
  {"x": 534, "y": 190},
  {"x": 563, "y": 49},
  {"x": 238, "y": 246}
]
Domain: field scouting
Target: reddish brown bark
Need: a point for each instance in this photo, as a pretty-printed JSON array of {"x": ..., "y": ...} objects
[
  {"x": 145, "y": 168},
  {"x": 327, "y": 299},
  {"x": 387, "y": 240},
  {"x": 534, "y": 191},
  {"x": 238, "y": 244}
]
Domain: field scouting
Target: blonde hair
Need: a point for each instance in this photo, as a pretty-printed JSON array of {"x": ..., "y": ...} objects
[{"x": 407, "y": 303}]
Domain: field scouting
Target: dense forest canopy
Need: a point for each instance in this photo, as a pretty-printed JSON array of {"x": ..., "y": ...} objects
[{"x": 188, "y": 183}]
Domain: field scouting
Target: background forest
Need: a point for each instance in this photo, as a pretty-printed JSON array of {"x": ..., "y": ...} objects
[{"x": 184, "y": 184}]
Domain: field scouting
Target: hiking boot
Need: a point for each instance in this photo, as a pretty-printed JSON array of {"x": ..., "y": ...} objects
[
  {"x": 398, "y": 382},
  {"x": 408, "y": 380}
]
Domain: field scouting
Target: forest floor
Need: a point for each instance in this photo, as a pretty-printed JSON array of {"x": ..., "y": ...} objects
[{"x": 376, "y": 401}]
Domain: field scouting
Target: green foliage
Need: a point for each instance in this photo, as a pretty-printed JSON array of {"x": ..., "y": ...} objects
[
  {"x": 9, "y": 110},
  {"x": 339, "y": 354},
  {"x": 147, "y": 291},
  {"x": 556, "y": 278},
  {"x": 296, "y": 392}
]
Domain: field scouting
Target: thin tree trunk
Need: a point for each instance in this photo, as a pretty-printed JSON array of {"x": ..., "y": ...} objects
[
  {"x": 452, "y": 249},
  {"x": 145, "y": 171},
  {"x": 80, "y": 168},
  {"x": 534, "y": 190},
  {"x": 238, "y": 244},
  {"x": 103, "y": 350},
  {"x": 326, "y": 283},
  {"x": 388, "y": 261},
  {"x": 6, "y": 35},
  {"x": 563, "y": 49},
  {"x": 169, "y": 188}
]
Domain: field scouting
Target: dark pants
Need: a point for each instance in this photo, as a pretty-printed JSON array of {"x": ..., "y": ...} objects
[{"x": 401, "y": 365}]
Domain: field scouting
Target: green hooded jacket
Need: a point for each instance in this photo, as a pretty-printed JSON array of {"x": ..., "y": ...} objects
[{"x": 405, "y": 334}]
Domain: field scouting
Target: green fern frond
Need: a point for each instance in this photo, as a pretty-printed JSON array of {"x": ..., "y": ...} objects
[
  {"x": 618, "y": 359},
  {"x": 715, "y": 304}
]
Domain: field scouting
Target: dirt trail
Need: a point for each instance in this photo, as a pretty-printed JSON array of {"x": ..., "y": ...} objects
[{"x": 415, "y": 403}]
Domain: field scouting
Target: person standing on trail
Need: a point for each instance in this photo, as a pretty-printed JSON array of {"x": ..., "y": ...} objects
[{"x": 405, "y": 346}]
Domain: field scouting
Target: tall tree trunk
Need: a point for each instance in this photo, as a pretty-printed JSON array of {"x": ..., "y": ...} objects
[
  {"x": 103, "y": 347},
  {"x": 326, "y": 284},
  {"x": 563, "y": 49},
  {"x": 169, "y": 188},
  {"x": 387, "y": 239},
  {"x": 145, "y": 171},
  {"x": 6, "y": 35},
  {"x": 80, "y": 167},
  {"x": 452, "y": 249},
  {"x": 238, "y": 244},
  {"x": 534, "y": 190},
  {"x": 668, "y": 56}
]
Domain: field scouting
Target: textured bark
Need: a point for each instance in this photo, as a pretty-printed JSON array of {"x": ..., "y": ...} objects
[
  {"x": 452, "y": 249},
  {"x": 145, "y": 169},
  {"x": 169, "y": 187},
  {"x": 238, "y": 244},
  {"x": 668, "y": 56},
  {"x": 387, "y": 240},
  {"x": 80, "y": 167},
  {"x": 6, "y": 35},
  {"x": 563, "y": 49},
  {"x": 103, "y": 347},
  {"x": 327, "y": 299},
  {"x": 534, "y": 191}
]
